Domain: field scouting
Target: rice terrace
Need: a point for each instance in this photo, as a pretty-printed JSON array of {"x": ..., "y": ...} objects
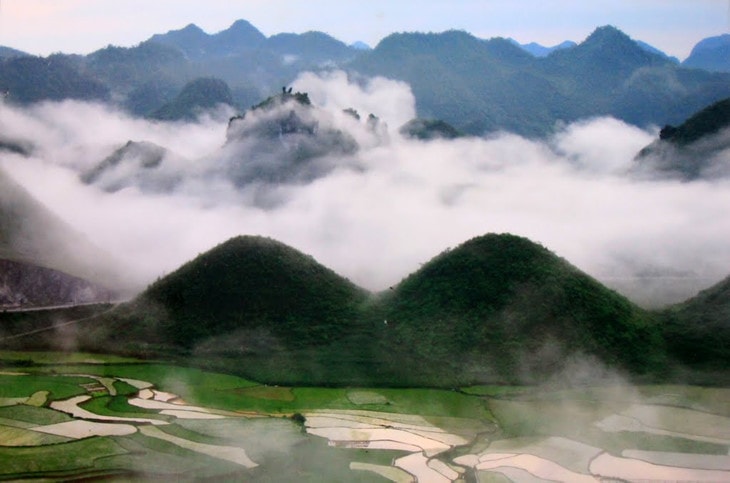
[
  {"x": 84, "y": 416},
  {"x": 415, "y": 253}
]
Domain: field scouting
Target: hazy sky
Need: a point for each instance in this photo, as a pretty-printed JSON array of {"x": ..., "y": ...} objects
[{"x": 82, "y": 26}]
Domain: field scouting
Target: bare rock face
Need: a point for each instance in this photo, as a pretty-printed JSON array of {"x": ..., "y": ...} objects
[{"x": 27, "y": 285}]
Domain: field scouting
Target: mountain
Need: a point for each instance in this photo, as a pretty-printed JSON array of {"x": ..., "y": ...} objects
[
  {"x": 31, "y": 79},
  {"x": 284, "y": 139},
  {"x": 654, "y": 50},
  {"x": 31, "y": 235},
  {"x": 26, "y": 285},
  {"x": 126, "y": 69},
  {"x": 241, "y": 34},
  {"x": 148, "y": 166},
  {"x": 694, "y": 149},
  {"x": 481, "y": 86},
  {"x": 191, "y": 40},
  {"x": 427, "y": 129},
  {"x": 478, "y": 86},
  {"x": 7, "y": 52},
  {"x": 254, "y": 305},
  {"x": 196, "y": 97},
  {"x": 315, "y": 47},
  {"x": 698, "y": 330},
  {"x": 540, "y": 50},
  {"x": 505, "y": 308},
  {"x": 712, "y": 54},
  {"x": 195, "y": 43},
  {"x": 359, "y": 45},
  {"x": 498, "y": 308}
]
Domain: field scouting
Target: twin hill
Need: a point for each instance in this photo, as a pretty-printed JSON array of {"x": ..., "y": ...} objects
[{"x": 498, "y": 308}]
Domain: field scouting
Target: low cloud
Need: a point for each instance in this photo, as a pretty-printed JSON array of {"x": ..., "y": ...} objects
[{"x": 395, "y": 203}]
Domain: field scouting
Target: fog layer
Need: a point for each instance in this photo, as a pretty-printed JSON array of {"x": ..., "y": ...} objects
[{"x": 392, "y": 205}]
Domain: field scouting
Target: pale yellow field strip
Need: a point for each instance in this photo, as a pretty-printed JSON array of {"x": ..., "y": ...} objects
[
  {"x": 106, "y": 382},
  {"x": 16, "y": 423},
  {"x": 146, "y": 394},
  {"x": 164, "y": 396},
  {"x": 680, "y": 420},
  {"x": 84, "y": 429},
  {"x": 71, "y": 406},
  {"x": 403, "y": 419},
  {"x": 391, "y": 473},
  {"x": 539, "y": 467},
  {"x": 430, "y": 446},
  {"x": 513, "y": 474},
  {"x": 618, "y": 422},
  {"x": 609, "y": 466},
  {"x": 566, "y": 452},
  {"x": 152, "y": 404},
  {"x": 329, "y": 421},
  {"x": 374, "y": 419},
  {"x": 229, "y": 453},
  {"x": 13, "y": 373},
  {"x": 684, "y": 460},
  {"x": 37, "y": 399},
  {"x": 470, "y": 460},
  {"x": 174, "y": 406},
  {"x": 137, "y": 383},
  {"x": 12, "y": 401},
  {"x": 392, "y": 445},
  {"x": 443, "y": 468},
  {"x": 417, "y": 465},
  {"x": 12, "y": 436},
  {"x": 183, "y": 414}
]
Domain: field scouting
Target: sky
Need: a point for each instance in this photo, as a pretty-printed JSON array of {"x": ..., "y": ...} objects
[{"x": 42, "y": 27}]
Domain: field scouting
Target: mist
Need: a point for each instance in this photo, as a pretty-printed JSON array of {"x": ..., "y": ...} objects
[{"x": 377, "y": 214}]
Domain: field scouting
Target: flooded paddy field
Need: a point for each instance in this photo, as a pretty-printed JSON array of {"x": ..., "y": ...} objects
[{"x": 86, "y": 417}]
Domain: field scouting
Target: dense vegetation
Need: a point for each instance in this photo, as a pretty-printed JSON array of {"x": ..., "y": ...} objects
[
  {"x": 427, "y": 129},
  {"x": 706, "y": 122},
  {"x": 690, "y": 150},
  {"x": 498, "y": 308},
  {"x": 197, "y": 96},
  {"x": 28, "y": 79},
  {"x": 479, "y": 85},
  {"x": 273, "y": 293},
  {"x": 475, "y": 85},
  {"x": 504, "y": 307},
  {"x": 698, "y": 331}
]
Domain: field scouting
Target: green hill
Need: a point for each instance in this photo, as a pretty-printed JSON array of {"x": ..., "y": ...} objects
[
  {"x": 698, "y": 330},
  {"x": 255, "y": 306},
  {"x": 500, "y": 307}
]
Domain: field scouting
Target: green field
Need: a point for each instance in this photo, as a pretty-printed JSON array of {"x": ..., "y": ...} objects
[{"x": 217, "y": 426}]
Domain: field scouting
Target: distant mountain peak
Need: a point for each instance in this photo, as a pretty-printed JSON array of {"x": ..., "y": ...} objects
[
  {"x": 712, "y": 54},
  {"x": 539, "y": 50},
  {"x": 607, "y": 33},
  {"x": 191, "y": 27},
  {"x": 360, "y": 45}
]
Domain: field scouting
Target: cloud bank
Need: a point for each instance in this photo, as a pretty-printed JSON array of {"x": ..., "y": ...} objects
[{"x": 394, "y": 204}]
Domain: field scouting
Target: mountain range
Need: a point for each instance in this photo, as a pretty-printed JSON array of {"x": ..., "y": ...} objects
[{"x": 477, "y": 86}]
